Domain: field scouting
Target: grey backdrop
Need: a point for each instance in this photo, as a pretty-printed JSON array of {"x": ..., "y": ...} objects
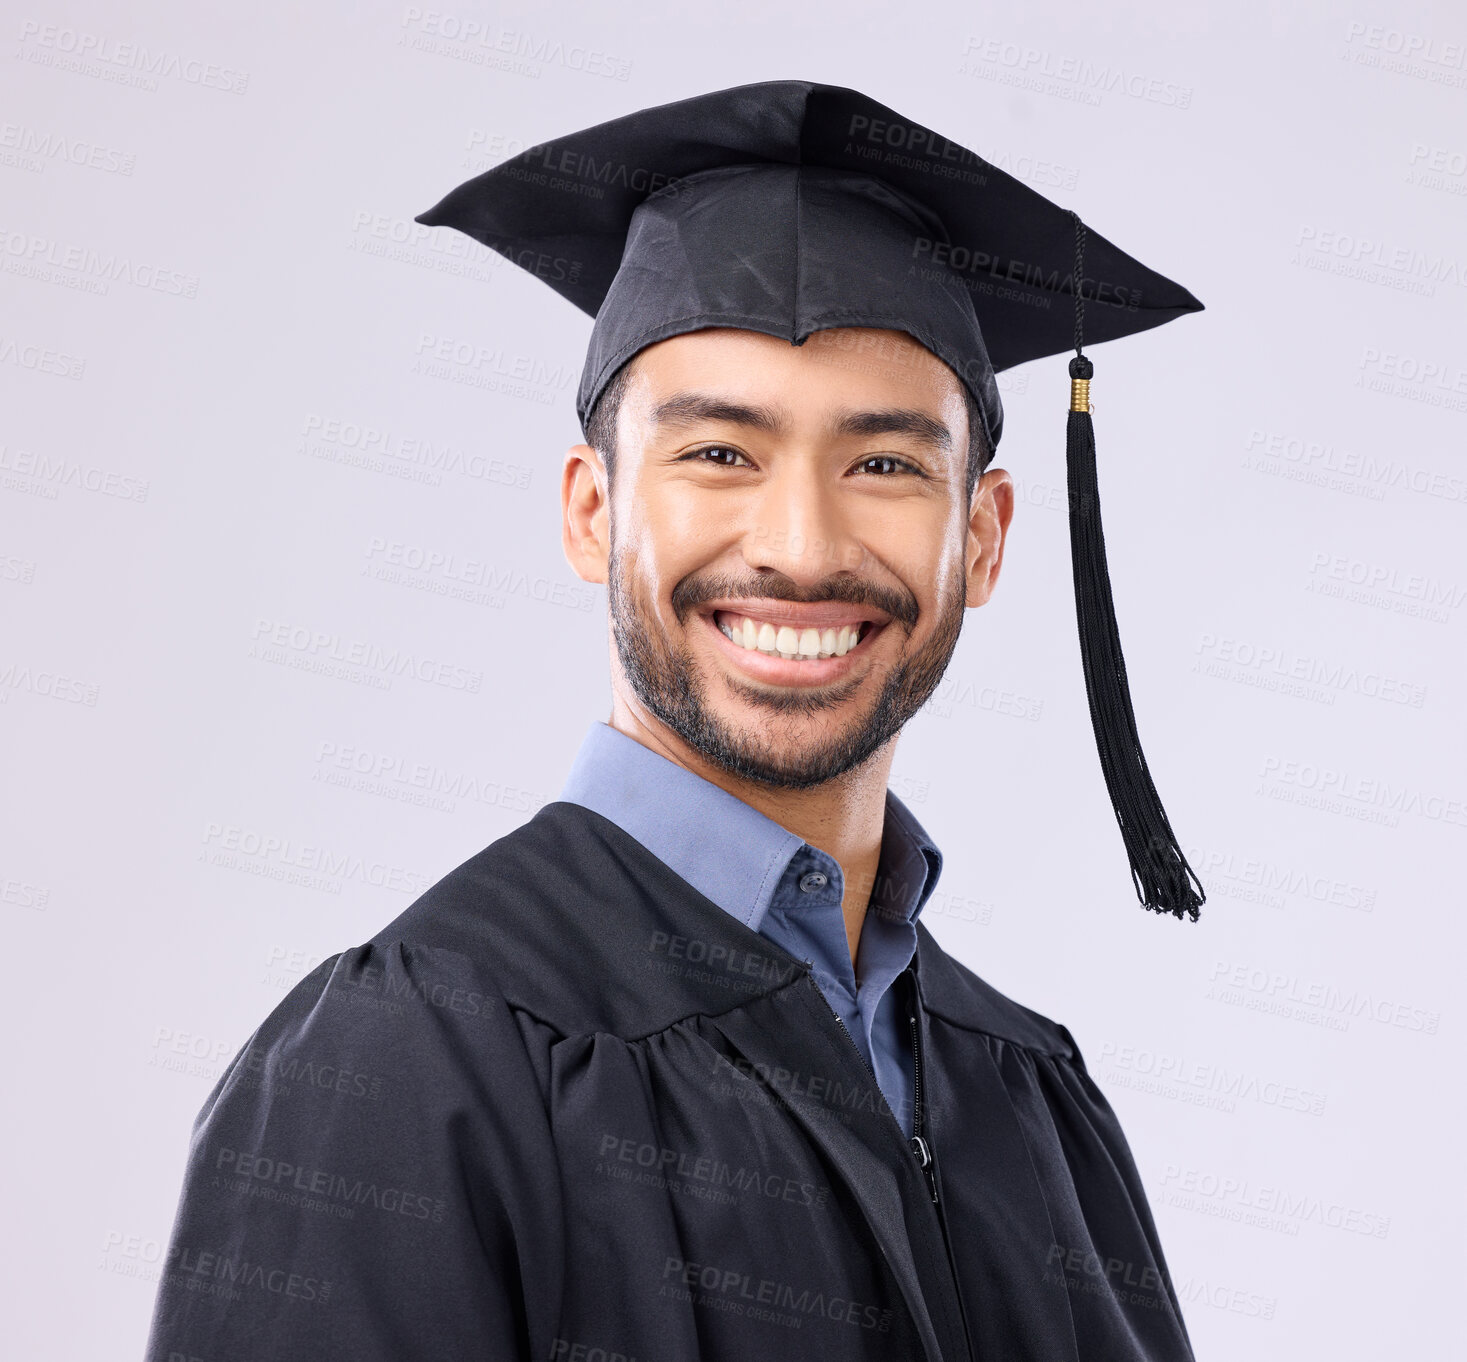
[{"x": 287, "y": 632}]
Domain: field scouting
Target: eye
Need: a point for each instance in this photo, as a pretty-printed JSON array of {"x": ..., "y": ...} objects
[
  {"x": 891, "y": 464},
  {"x": 713, "y": 451}
]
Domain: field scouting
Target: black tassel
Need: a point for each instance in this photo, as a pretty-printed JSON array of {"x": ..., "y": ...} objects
[{"x": 1164, "y": 881}]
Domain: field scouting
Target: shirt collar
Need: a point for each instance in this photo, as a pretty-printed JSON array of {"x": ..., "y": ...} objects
[
  {"x": 910, "y": 864},
  {"x": 727, "y": 850}
]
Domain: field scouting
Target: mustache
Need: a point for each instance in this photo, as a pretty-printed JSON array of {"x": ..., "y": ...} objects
[{"x": 693, "y": 590}]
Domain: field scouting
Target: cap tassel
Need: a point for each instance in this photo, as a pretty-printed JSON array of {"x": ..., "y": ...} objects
[{"x": 1164, "y": 881}]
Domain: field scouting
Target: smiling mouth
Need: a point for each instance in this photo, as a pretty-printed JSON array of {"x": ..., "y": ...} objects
[{"x": 791, "y": 642}]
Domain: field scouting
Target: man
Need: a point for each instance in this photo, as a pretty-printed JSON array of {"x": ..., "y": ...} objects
[{"x": 674, "y": 1071}]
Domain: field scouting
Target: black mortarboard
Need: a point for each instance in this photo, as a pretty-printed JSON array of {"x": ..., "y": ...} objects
[{"x": 788, "y": 207}]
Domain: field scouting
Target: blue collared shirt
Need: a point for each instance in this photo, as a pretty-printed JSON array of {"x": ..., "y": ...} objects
[{"x": 777, "y": 884}]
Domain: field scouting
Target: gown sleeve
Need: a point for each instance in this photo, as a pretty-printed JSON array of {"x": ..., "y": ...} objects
[
  {"x": 1130, "y": 1276},
  {"x": 368, "y": 1179}
]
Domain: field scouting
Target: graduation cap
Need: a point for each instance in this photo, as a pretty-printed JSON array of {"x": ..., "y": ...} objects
[{"x": 788, "y": 207}]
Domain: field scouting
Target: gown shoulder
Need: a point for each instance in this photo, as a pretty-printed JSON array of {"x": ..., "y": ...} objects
[
  {"x": 958, "y": 995},
  {"x": 370, "y": 1175}
]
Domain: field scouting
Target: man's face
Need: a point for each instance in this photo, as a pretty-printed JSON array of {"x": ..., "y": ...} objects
[{"x": 790, "y": 544}]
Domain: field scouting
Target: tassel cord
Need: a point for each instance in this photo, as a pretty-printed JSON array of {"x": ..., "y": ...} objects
[{"x": 1163, "y": 879}]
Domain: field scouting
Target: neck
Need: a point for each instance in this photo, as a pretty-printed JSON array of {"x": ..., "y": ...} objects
[{"x": 844, "y": 817}]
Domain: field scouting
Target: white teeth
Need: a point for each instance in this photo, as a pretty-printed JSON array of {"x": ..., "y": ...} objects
[{"x": 788, "y": 642}]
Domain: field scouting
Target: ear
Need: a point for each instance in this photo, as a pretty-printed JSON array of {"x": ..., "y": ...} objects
[
  {"x": 585, "y": 511},
  {"x": 988, "y": 527}
]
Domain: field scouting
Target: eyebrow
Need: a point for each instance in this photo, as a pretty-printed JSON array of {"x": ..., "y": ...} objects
[{"x": 688, "y": 408}]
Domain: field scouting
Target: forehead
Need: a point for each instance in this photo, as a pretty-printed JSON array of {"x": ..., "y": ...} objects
[{"x": 840, "y": 366}]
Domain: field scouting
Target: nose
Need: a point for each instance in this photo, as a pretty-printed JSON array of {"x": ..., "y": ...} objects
[{"x": 797, "y": 526}]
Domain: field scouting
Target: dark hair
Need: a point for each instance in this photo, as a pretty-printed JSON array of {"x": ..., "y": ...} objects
[{"x": 601, "y": 428}]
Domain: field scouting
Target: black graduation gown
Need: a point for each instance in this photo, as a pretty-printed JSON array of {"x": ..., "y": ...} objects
[{"x": 565, "y": 1108}]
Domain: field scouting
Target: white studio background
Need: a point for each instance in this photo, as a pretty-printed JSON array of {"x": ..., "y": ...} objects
[{"x": 242, "y": 394}]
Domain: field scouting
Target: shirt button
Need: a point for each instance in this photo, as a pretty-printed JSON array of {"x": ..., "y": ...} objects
[{"x": 812, "y": 881}]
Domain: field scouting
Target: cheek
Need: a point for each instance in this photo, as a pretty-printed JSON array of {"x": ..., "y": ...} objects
[
  {"x": 679, "y": 533},
  {"x": 658, "y": 550},
  {"x": 948, "y": 574},
  {"x": 913, "y": 544}
]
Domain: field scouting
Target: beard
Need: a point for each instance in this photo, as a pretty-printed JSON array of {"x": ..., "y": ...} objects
[{"x": 668, "y": 682}]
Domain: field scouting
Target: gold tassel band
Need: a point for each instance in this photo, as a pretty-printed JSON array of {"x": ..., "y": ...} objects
[{"x": 1079, "y": 394}]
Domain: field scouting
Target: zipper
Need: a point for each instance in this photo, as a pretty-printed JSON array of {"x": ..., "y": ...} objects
[
  {"x": 919, "y": 1144},
  {"x": 915, "y": 1142},
  {"x": 845, "y": 1031},
  {"x": 927, "y": 1158}
]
